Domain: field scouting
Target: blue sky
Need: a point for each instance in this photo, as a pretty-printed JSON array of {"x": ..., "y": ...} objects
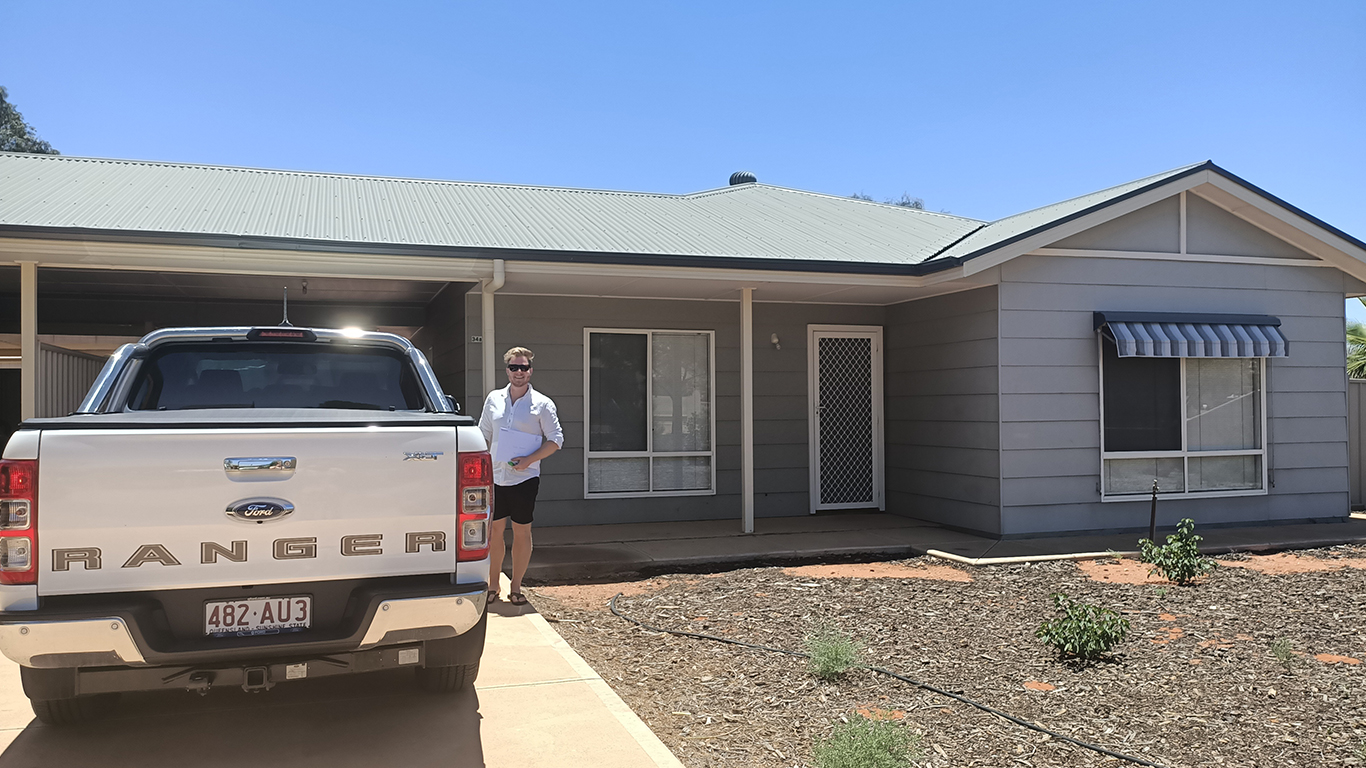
[{"x": 983, "y": 109}]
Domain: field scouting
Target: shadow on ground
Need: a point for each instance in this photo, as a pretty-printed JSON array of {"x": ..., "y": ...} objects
[{"x": 366, "y": 720}]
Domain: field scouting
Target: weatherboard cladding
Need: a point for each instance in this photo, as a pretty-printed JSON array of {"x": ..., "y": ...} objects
[{"x": 747, "y": 221}]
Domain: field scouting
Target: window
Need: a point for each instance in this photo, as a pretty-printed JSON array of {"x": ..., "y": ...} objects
[
  {"x": 649, "y": 416},
  {"x": 1193, "y": 424}
]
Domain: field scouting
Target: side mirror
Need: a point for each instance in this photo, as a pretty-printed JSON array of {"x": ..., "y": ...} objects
[{"x": 454, "y": 405}]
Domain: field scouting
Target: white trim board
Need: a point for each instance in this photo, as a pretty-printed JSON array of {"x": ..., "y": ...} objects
[{"x": 1189, "y": 257}]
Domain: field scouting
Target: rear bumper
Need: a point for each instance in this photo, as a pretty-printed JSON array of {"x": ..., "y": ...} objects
[{"x": 75, "y": 636}]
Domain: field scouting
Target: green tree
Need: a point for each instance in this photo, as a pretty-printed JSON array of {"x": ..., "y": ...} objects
[
  {"x": 1356, "y": 348},
  {"x": 17, "y": 135}
]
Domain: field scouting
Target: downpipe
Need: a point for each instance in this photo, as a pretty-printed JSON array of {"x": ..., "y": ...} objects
[{"x": 487, "y": 290}]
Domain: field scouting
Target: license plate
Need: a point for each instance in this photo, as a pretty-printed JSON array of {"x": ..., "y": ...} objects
[{"x": 258, "y": 616}]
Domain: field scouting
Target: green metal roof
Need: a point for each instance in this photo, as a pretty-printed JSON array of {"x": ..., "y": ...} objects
[
  {"x": 746, "y": 225},
  {"x": 748, "y": 221}
]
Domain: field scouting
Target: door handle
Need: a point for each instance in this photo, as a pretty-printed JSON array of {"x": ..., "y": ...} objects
[{"x": 260, "y": 464}]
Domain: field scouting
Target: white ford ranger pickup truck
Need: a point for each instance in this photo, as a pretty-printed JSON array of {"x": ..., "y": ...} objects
[{"x": 242, "y": 507}]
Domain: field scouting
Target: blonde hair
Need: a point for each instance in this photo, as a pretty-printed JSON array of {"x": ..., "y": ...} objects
[{"x": 518, "y": 352}]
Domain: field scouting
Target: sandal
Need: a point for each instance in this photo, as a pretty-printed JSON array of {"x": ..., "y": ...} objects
[
  {"x": 517, "y": 598},
  {"x": 493, "y": 596}
]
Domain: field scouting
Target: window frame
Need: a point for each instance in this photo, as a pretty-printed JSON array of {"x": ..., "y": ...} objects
[
  {"x": 649, "y": 452},
  {"x": 1185, "y": 454}
]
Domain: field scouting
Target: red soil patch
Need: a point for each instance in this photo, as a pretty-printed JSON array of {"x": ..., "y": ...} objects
[
  {"x": 1119, "y": 572},
  {"x": 1329, "y": 658},
  {"x": 1172, "y": 633},
  {"x": 1285, "y": 562},
  {"x": 879, "y": 571},
  {"x": 1035, "y": 685},
  {"x": 594, "y": 596}
]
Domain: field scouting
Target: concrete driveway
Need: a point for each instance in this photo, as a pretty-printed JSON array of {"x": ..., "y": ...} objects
[{"x": 536, "y": 703}]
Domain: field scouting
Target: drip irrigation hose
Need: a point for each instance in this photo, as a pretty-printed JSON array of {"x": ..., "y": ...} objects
[{"x": 924, "y": 686}]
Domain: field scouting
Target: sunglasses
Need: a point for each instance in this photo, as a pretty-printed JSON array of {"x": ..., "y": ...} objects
[{"x": 518, "y": 367}]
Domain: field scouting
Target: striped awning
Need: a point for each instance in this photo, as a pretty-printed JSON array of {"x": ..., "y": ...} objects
[{"x": 1180, "y": 334}]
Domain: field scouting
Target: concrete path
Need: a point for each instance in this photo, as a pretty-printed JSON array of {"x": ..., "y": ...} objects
[{"x": 536, "y": 703}]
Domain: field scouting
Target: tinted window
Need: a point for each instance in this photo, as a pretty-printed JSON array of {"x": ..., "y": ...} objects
[
  {"x": 275, "y": 375},
  {"x": 616, "y": 391},
  {"x": 1142, "y": 402}
]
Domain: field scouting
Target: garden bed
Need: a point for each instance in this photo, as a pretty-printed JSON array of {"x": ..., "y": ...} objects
[{"x": 1195, "y": 684}]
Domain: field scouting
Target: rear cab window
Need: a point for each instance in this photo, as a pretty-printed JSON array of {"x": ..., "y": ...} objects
[{"x": 273, "y": 374}]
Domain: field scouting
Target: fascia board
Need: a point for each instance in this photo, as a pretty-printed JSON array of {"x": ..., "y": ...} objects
[
  {"x": 1293, "y": 228},
  {"x": 729, "y": 275},
  {"x": 181, "y": 258},
  {"x": 1083, "y": 223},
  {"x": 206, "y": 259}
]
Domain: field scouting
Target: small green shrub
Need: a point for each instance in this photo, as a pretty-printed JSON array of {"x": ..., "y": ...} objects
[
  {"x": 1179, "y": 560},
  {"x": 866, "y": 743},
  {"x": 1083, "y": 630},
  {"x": 1284, "y": 651},
  {"x": 832, "y": 653}
]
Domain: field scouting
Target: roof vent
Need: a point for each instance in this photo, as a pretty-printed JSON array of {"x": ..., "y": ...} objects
[{"x": 742, "y": 177}]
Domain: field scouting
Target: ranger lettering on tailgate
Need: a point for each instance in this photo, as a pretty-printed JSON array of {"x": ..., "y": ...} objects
[{"x": 91, "y": 558}]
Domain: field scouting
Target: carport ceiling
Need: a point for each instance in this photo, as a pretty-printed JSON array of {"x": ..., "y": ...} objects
[{"x": 109, "y": 283}]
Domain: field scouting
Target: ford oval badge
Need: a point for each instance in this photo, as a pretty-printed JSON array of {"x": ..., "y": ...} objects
[{"x": 259, "y": 510}]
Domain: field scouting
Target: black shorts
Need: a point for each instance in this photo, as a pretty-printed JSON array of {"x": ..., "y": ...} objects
[{"x": 516, "y": 501}]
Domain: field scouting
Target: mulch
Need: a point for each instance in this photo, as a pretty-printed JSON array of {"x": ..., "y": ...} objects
[{"x": 1195, "y": 683}]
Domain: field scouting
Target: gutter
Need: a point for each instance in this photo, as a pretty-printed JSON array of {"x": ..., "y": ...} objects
[{"x": 487, "y": 289}]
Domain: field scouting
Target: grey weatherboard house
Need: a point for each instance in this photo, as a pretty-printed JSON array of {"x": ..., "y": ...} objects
[{"x": 754, "y": 351}]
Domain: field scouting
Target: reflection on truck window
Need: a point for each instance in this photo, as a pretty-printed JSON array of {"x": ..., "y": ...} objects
[{"x": 275, "y": 375}]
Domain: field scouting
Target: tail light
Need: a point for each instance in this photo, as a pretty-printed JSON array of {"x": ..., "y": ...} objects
[
  {"x": 475, "y": 486},
  {"x": 18, "y": 522}
]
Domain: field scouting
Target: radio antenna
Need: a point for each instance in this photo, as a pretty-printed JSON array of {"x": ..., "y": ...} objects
[{"x": 285, "y": 322}]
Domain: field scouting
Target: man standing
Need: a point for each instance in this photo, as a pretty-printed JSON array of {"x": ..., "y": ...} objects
[{"x": 521, "y": 416}]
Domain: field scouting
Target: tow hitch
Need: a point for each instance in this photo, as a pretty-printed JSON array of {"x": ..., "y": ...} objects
[{"x": 256, "y": 679}]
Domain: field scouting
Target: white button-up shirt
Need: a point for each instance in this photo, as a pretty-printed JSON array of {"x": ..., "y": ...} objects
[{"x": 533, "y": 413}]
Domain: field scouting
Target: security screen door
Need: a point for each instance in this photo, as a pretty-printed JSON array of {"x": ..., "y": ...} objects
[{"x": 846, "y": 417}]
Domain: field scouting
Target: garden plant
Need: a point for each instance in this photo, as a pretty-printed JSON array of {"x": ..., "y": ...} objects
[
  {"x": 831, "y": 652},
  {"x": 1083, "y": 631},
  {"x": 1179, "y": 560},
  {"x": 864, "y": 743}
]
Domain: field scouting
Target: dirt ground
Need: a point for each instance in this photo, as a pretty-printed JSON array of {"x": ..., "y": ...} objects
[{"x": 1195, "y": 684}]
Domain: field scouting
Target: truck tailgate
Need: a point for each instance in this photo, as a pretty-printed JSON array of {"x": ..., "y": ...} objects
[{"x": 150, "y": 509}]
